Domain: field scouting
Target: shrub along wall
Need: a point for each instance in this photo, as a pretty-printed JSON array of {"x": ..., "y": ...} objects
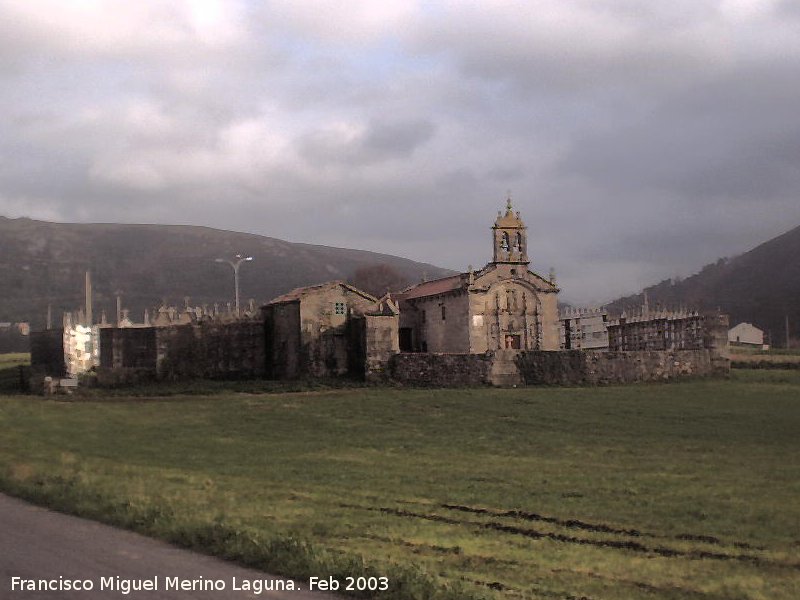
[{"x": 577, "y": 367}]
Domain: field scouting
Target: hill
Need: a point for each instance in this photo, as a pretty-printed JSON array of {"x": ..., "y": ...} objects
[
  {"x": 43, "y": 262},
  {"x": 761, "y": 286}
]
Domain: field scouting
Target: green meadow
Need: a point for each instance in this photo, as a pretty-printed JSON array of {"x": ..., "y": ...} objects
[
  {"x": 682, "y": 490},
  {"x": 10, "y": 366}
]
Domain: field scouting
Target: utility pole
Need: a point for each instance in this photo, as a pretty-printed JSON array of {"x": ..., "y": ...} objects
[
  {"x": 88, "y": 298},
  {"x": 787, "y": 331},
  {"x": 235, "y": 266}
]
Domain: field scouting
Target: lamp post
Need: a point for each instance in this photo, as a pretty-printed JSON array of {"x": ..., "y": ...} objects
[{"x": 235, "y": 266}]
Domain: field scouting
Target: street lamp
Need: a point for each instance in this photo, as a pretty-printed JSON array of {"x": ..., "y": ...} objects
[{"x": 235, "y": 265}]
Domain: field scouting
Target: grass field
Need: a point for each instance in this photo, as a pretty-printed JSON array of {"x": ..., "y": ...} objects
[
  {"x": 10, "y": 371},
  {"x": 754, "y": 358},
  {"x": 685, "y": 490},
  {"x": 770, "y": 352}
]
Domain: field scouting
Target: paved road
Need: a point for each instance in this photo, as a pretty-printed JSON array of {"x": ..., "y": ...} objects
[{"x": 36, "y": 543}]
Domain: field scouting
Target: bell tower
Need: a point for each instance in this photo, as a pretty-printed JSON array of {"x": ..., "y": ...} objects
[{"x": 510, "y": 238}]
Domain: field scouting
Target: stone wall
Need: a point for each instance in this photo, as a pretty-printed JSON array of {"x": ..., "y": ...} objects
[
  {"x": 380, "y": 343},
  {"x": 440, "y": 370},
  {"x": 444, "y": 323},
  {"x": 282, "y": 322},
  {"x": 576, "y": 367},
  {"x": 207, "y": 350},
  {"x": 128, "y": 348},
  {"x": 47, "y": 352},
  {"x": 212, "y": 350}
]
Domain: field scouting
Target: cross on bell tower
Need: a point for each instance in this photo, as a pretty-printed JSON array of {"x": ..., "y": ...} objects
[{"x": 509, "y": 237}]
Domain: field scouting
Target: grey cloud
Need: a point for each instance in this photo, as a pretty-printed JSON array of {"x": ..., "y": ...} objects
[
  {"x": 589, "y": 46},
  {"x": 738, "y": 138},
  {"x": 637, "y": 139},
  {"x": 380, "y": 141},
  {"x": 396, "y": 139},
  {"x": 788, "y": 8}
]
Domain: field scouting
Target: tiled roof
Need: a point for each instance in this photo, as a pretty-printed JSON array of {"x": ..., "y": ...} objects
[
  {"x": 298, "y": 293},
  {"x": 432, "y": 288}
]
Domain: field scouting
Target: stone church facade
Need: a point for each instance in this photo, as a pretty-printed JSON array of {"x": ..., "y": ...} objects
[{"x": 503, "y": 306}]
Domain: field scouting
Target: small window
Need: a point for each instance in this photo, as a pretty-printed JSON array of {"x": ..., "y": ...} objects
[
  {"x": 423, "y": 316},
  {"x": 444, "y": 312},
  {"x": 340, "y": 308}
]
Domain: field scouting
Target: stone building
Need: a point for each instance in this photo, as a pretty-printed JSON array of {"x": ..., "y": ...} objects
[
  {"x": 504, "y": 305},
  {"x": 313, "y": 331},
  {"x": 378, "y": 339}
]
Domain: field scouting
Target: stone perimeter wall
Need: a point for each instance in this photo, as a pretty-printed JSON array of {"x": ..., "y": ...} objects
[
  {"x": 204, "y": 351},
  {"x": 47, "y": 353},
  {"x": 238, "y": 351},
  {"x": 576, "y": 367},
  {"x": 234, "y": 350},
  {"x": 440, "y": 370}
]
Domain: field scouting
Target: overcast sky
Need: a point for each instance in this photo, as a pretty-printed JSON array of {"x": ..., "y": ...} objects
[{"x": 640, "y": 140}]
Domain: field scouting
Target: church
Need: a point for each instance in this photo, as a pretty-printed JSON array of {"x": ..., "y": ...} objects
[
  {"x": 497, "y": 325},
  {"x": 503, "y": 306},
  {"x": 334, "y": 329}
]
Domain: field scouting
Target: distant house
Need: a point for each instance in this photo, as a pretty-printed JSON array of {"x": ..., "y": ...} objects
[{"x": 746, "y": 334}]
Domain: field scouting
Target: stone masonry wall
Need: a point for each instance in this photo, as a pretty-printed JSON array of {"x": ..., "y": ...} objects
[
  {"x": 282, "y": 323},
  {"x": 380, "y": 343},
  {"x": 576, "y": 367},
  {"x": 128, "y": 348},
  {"x": 47, "y": 352},
  {"x": 206, "y": 351},
  {"x": 211, "y": 350},
  {"x": 440, "y": 370}
]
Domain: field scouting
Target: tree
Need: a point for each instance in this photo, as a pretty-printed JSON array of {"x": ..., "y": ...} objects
[{"x": 379, "y": 278}]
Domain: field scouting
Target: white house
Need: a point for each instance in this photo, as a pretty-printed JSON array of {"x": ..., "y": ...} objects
[{"x": 746, "y": 334}]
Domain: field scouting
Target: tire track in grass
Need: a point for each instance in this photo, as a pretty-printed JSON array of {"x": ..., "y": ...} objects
[
  {"x": 599, "y": 543},
  {"x": 594, "y": 527},
  {"x": 647, "y": 587},
  {"x": 532, "y": 516}
]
